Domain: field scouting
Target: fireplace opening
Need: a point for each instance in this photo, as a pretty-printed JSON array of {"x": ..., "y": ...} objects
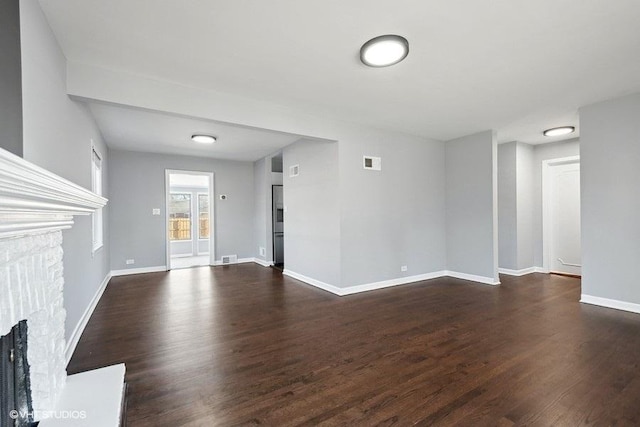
[{"x": 16, "y": 409}]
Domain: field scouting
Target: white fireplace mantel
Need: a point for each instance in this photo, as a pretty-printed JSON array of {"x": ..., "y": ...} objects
[{"x": 34, "y": 200}]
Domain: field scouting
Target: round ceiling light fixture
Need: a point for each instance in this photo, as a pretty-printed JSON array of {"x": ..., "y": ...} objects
[
  {"x": 563, "y": 130},
  {"x": 383, "y": 51},
  {"x": 203, "y": 139}
]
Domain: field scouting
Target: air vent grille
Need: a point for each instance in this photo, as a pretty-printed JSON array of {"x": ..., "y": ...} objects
[{"x": 230, "y": 259}]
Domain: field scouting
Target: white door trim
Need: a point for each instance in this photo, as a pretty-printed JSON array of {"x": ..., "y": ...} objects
[
  {"x": 212, "y": 216},
  {"x": 546, "y": 204}
]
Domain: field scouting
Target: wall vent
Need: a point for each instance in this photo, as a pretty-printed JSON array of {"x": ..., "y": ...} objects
[
  {"x": 372, "y": 163},
  {"x": 294, "y": 170},
  {"x": 230, "y": 259}
]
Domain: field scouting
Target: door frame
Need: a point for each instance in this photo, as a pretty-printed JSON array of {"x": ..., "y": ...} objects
[
  {"x": 212, "y": 216},
  {"x": 546, "y": 205}
]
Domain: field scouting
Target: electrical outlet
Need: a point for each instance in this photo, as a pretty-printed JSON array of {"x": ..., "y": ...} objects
[
  {"x": 155, "y": 211},
  {"x": 263, "y": 251},
  {"x": 403, "y": 268},
  {"x": 130, "y": 261}
]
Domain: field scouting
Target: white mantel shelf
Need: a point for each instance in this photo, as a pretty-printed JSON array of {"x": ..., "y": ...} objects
[{"x": 34, "y": 200}]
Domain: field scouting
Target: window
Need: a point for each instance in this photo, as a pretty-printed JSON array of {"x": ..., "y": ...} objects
[
  {"x": 96, "y": 187},
  {"x": 203, "y": 211},
  {"x": 180, "y": 216}
]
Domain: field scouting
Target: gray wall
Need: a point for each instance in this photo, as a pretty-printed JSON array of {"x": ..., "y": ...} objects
[
  {"x": 395, "y": 216},
  {"x": 10, "y": 78},
  {"x": 610, "y": 205},
  {"x": 137, "y": 182},
  {"x": 57, "y": 136},
  {"x": 525, "y": 200},
  {"x": 542, "y": 152},
  {"x": 312, "y": 211},
  {"x": 471, "y": 185},
  {"x": 261, "y": 186},
  {"x": 507, "y": 206}
]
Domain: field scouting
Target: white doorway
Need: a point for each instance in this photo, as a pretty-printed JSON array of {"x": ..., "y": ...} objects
[
  {"x": 561, "y": 216},
  {"x": 189, "y": 219}
]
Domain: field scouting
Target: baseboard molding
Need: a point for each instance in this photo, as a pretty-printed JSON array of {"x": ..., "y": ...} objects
[
  {"x": 128, "y": 271},
  {"x": 393, "y": 282},
  {"x": 72, "y": 343},
  {"x": 522, "y": 272},
  {"x": 610, "y": 303},
  {"x": 313, "y": 282},
  {"x": 473, "y": 278},
  {"x": 350, "y": 290},
  {"x": 263, "y": 262},
  {"x": 541, "y": 270}
]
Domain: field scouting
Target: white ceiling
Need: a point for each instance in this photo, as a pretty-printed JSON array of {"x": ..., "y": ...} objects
[
  {"x": 150, "y": 131},
  {"x": 517, "y": 66}
]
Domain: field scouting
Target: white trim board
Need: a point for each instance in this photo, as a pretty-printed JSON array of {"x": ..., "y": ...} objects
[
  {"x": 128, "y": 271},
  {"x": 610, "y": 303},
  {"x": 522, "y": 272},
  {"x": 393, "y": 282},
  {"x": 473, "y": 278},
  {"x": 72, "y": 343},
  {"x": 263, "y": 262},
  {"x": 350, "y": 290},
  {"x": 313, "y": 282}
]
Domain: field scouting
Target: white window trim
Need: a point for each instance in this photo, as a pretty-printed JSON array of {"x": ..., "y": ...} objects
[{"x": 97, "y": 240}]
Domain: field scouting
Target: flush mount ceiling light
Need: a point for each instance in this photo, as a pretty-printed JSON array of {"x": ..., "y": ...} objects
[
  {"x": 563, "y": 130},
  {"x": 383, "y": 51},
  {"x": 203, "y": 139}
]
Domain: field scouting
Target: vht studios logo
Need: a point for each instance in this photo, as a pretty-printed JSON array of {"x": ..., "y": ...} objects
[{"x": 42, "y": 415}]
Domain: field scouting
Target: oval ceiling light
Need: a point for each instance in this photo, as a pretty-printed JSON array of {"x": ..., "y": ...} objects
[
  {"x": 203, "y": 139},
  {"x": 383, "y": 51},
  {"x": 563, "y": 130}
]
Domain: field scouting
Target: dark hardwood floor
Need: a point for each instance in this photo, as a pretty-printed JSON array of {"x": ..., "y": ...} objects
[{"x": 243, "y": 345}]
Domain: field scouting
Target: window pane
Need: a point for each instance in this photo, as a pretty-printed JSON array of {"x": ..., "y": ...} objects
[
  {"x": 203, "y": 209},
  {"x": 180, "y": 217}
]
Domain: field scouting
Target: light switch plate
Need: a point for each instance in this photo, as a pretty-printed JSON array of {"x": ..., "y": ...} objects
[{"x": 156, "y": 211}]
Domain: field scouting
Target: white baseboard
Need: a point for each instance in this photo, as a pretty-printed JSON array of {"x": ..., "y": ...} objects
[
  {"x": 522, "y": 272},
  {"x": 313, "y": 282},
  {"x": 473, "y": 278},
  {"x": 82, "y": 323},
  {"x": 610, "y": 303},
  {"x": 386, "y": 283},
  {"x": 128, "y": 271},
  {"x": 389, "y": 283},
  {"x": 263, "y": 262}
]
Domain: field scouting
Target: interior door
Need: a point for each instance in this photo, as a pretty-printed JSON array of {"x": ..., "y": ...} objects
[{"x": 565, "y": 248}]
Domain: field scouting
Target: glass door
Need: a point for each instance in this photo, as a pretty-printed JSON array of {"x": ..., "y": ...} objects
[{"x": 180, "y": 227}]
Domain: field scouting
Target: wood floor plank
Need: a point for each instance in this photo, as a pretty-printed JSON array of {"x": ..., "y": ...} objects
[{"x": 244, "y": 345}]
